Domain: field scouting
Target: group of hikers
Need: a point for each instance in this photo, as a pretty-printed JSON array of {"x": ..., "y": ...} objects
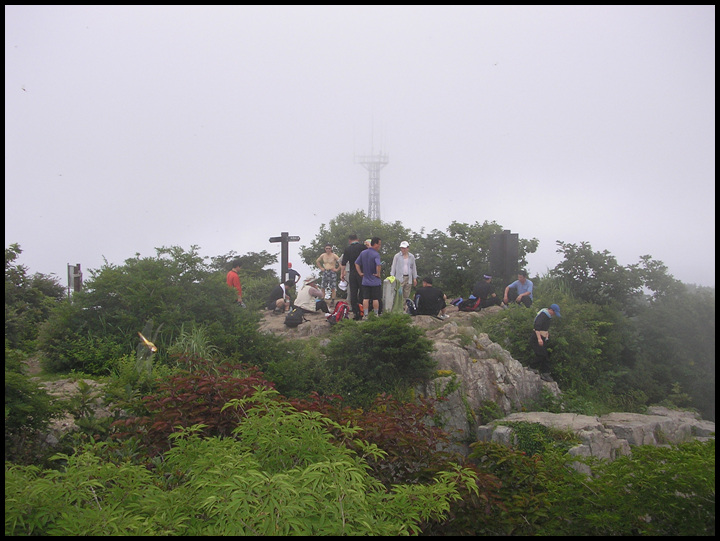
[{"x": 360, "y": 276}]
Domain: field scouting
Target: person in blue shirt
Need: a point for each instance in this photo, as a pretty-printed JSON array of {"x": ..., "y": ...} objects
[
  {"x": 523, "y": 291},
  {"x": 368, "y": 266}
]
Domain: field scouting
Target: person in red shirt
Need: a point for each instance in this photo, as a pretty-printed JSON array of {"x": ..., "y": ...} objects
[{"x": 233, "y": 279}]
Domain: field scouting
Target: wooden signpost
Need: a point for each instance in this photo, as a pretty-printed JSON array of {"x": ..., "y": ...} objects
[{"x": 284, "y": 239}]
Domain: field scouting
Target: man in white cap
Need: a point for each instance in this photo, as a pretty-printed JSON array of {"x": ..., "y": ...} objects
[{"x": 404, "y": 270}]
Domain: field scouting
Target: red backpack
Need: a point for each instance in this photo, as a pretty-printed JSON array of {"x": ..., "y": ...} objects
[
  {"x": 470, "y": 305},
  {"x": 341, "y": 311}
]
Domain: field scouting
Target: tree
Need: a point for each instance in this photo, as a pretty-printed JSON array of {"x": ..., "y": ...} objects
[
  {"x": 597, "y": 277},
  {"x": 458, "y": 258},
  {"x": 336, "y": 233},
  {"x": 174, "y": 289},
  {"x": 28, "y": 300},
  {"x": 676, "y": 336}
]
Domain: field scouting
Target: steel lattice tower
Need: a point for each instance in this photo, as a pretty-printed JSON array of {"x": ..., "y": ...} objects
[{"x": 373, "y": 163}]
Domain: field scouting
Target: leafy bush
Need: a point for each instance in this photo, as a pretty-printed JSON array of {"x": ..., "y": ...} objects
[
  {"x": 96, "y": 355},
  {"x": 655, "y": 491},
  {"x": 280, "y": 475},
  {"x": 170, "y": 290},
  {"x": 191, "y": 398},
  {"x": 28, "y": 411},
  {"x": 28, "y": 301},
  {"x": 668, "y": 491},
  {"x": 377, "y": 356}
]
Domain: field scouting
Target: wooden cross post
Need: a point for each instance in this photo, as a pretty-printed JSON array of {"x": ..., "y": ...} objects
[{"x": 284, "y": 238}]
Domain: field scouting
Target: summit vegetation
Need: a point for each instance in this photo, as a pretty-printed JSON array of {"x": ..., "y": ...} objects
[{"x": 228, "y": 431}]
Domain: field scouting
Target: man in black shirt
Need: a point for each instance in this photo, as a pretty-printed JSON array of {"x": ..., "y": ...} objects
[
  {"x": 484, "y": 290},
  {"x": 539, "y": 338},
  {"x": 429, "y": 300},
  {"x": 354, "y": 280}
]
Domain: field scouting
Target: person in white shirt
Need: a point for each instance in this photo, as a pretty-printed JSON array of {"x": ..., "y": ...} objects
[{"x": 404, "y": 269}]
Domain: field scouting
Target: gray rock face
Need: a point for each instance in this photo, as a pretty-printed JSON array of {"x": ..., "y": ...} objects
[
  {"x": 476, "y": 374},
  {"x": 610, "y": 436},
  {"x": 659, "y": 426}
]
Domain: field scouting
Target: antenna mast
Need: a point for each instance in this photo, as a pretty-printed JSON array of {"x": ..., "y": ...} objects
[{"x": 373, "y": 163}]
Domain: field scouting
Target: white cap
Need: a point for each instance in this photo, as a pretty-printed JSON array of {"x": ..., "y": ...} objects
[
  {"x": 342, "y": 285},
  {"x": 404, "y": 244}
]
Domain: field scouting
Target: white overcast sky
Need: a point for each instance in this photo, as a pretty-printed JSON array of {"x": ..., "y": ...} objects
[{"x": 133, "y": 127}]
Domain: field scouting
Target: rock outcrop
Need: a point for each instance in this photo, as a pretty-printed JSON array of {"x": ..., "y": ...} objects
[
  {"x": 609, "y": 436},
  {"x": 476, "y": 375}
]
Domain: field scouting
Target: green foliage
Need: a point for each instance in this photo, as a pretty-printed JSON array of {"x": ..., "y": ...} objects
[
  {"x": 524, "y": 500},
  {"x": 176, "y": 290},
  {"x": 194, "y": 342},
  {"x": 676, "y": 342},
  {"x": 337, "y": 231},
  {"x": 596, "y": 277},
  {"x": 191, "y": 398},
  {"x": 488, "y": 410},
  {"x": 28, "y": 411},
  {"x": 461, "y": 256},
  {"x": 28, "y": 301},
  {"x": 280, "y": 475},
  {"x": 89, "y": 354},
  {"x": 378, "y": 355},
  {"x": 654, "y": 491},
  {"x": 410, "y": 445},
  {"x": 592, "y": 347},
  {"x": 300, "y": 370},
  {"x": 535, "y": 438},
  {"x": 668, "y": 491}
]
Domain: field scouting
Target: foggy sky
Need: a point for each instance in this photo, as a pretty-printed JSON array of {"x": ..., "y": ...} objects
[{"x": 134, "y": 127}]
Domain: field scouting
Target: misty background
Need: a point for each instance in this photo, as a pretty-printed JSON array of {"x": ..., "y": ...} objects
[{"x": 134, "y": 127}]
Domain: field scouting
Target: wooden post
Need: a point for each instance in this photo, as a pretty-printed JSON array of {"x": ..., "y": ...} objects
[{"x": 284, "y": 239}]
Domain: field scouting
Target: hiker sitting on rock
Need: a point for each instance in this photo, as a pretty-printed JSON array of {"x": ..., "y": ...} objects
[
  {"x": 429, "y": 300},
  {"x": 310, "y": 298}
]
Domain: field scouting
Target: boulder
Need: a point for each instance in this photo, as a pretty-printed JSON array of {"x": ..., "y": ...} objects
[
  {"x": 609, "y": 436},
  {"x": 659, "y": 426},
  {"x": 474, "y": 374}
]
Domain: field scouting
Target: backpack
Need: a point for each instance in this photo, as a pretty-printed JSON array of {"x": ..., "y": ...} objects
[
  {"x": 411, "y": 308},
  {"x": 470, "y": 305},
  {"x": 294, "y": 317},
  {"x": 341, "y": 311}
]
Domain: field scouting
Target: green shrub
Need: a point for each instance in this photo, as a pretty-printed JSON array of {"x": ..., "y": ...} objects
[
  {"x": 668, "y": 491},
  {"x": 95, "y": 355},
  {"x": 191, "y": 398},
  {"x": 378, "y": 356},
  {"x": 281, "y": 474},
  {"x": 28, "y": 412}
]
